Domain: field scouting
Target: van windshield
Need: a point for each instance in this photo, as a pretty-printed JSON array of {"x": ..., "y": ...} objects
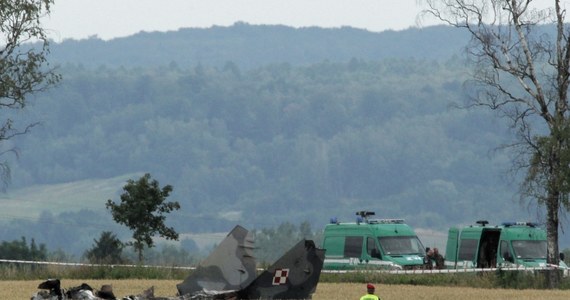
[
  {"x": 530, "y": 249},
  {"x": 400, "y": 245}
]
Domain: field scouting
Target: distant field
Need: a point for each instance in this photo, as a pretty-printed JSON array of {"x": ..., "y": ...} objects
[
  {"x": 73, "y": 196},
  {"x": 325, "y": 291}
]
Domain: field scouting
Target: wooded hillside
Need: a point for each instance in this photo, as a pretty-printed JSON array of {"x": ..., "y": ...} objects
[{"x": 269, "y": 132}]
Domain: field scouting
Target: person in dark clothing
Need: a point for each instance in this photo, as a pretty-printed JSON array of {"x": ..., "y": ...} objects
[
  {"x": 428, "y": 259},
  {"x": 438, "y": 258}
]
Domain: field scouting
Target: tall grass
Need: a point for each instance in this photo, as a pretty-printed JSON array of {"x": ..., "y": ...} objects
[
  {"x": 325, "y": 291},
  {"x": 486, "y": 280},
  {"x": 39, "y": 272}
]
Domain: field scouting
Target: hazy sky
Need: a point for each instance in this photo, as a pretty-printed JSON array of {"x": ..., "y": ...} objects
[
  {"x": 116, "y": 18},
  {"x": 108, "y": 19}
]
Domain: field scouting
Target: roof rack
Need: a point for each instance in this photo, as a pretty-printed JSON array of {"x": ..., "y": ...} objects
[
  {"x": 386, "y": 221},
  {"x": 529, "y": 224}
]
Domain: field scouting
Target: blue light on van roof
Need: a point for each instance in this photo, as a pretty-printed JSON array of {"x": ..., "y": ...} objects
[{"x": 334, "y": 220}]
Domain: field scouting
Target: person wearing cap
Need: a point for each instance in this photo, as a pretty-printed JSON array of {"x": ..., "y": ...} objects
[{"x": 370, "y": 293}]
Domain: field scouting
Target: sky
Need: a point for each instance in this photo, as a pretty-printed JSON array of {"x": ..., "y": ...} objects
[{"x": 108, "y": 19}]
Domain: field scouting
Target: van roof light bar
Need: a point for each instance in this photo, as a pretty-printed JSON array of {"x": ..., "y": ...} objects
[
  {"x": 387, "y": 221},
  {"x": 529, "y": 224}
]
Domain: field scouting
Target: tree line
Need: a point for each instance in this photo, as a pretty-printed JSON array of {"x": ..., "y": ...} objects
[
  {"x": 280, "y": 136},
  {"x": 245, "y": 147},
  {"x": 521, "y": 76}
]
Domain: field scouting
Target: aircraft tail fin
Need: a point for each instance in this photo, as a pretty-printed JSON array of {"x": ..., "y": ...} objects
[
  {"x": 294, "y": 276},
  {"x": 231, "y": 266}
]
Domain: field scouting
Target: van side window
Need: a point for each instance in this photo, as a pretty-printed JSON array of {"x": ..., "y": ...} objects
[
  {"x": 353, "y": 246},
  {"x": 505, "y": 252},
  {"x": 467, "y": 250},
  {"x": 371, "y": 248}
]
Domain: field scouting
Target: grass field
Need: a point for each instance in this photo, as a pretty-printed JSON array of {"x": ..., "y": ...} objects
[
  {"x": 325, "y": 291},
  {"x": 90, "y": 194}
]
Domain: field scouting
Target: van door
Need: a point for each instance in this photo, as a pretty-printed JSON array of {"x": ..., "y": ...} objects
[
  {"x": 488, "y": 246},
  {"x": 467, "y": 252},
  {"x": 372, "y": 249},
  {"x": 505, "y": 255},
  {"x": 353, "y": 247},
  {"x": 452, "y": 245}
]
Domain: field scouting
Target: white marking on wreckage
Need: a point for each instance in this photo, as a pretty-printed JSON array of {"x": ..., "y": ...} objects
[{"x": 280, "y": 276}]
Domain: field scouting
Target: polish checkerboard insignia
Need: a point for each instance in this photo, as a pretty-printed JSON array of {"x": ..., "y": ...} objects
[{"x": 280, "y": 276}]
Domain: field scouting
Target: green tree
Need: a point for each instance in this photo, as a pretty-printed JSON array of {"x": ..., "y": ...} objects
[
  {"x": 522, "y": 72},
  {"x": 24, "y": 70},
  {"x": 108, "y": 249},
  {"x": 142, "y": 209},
  {"x": 18, "y": 249}
]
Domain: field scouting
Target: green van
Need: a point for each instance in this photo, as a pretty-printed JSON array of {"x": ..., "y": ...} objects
[
  {"x": 511, "y": 244},
  {"x": 371, "y": 244}
]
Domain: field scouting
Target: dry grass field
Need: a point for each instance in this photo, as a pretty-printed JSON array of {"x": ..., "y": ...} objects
[{"x": 325, "y": 291}]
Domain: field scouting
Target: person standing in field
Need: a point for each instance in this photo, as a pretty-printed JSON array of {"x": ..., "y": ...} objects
[
  {"x": 370, "y": 293},
  {"x": 428, "y": 259},
  {"x": 439, "y": 260}
]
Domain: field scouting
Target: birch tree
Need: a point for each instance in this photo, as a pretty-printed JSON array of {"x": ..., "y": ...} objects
[
  {"x": 521, "y": 56},
  {"x": 24, "y": 68}
]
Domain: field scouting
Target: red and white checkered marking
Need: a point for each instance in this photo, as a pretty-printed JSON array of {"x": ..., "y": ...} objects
[{"x": 280, "y": 276}]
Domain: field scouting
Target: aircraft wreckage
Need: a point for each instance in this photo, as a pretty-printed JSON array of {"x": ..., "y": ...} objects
[{"x": 229, "y": 272}]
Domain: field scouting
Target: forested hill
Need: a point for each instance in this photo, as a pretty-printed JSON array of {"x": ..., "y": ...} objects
[
  {"x": 250, "y": 46},
  {"x": 258, "y": 125}
]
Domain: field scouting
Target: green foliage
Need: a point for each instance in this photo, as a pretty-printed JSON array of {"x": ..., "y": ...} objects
[
  {"x": 279, "y": 143},
  {"x": 520, "y": 280},
  {"x": 499, "y": 279},
  {"x": 142, "y": 209},
  {"x": 19, "y": 250},
  {"x": 23, "y": 71},
  {"x": 488, "y": 280},
  {"x": 248, "y": 46},
  {"x": 274, "y": 137},
  {"x": 106, "y": 250},
  {"x": 28, "y": 272},
  {"x": 546, "y": 171}
]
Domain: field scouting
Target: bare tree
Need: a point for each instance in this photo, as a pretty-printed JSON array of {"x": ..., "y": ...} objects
[
  {"x": 521, "y": 57},
  {"x": 24, "y": 68}
]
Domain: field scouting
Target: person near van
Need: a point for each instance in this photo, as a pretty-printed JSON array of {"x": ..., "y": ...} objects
[
  {"x": 428, "y": 259},
  {"x": 370, "y": 293},
  {"x": 438, "y": 258}
]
